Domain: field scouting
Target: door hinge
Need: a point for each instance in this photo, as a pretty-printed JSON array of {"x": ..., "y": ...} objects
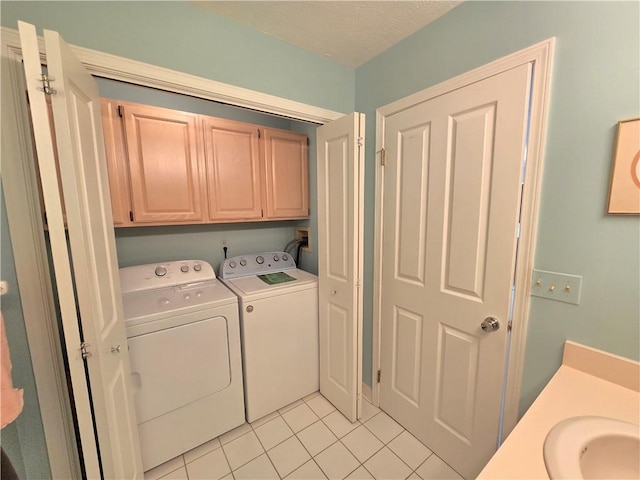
[
  {"x": 120, "y": 110},
  {"x": 383, "y": 157},
  {"x": 46, "y": 85},
  {"x": 378, "y": 376},
  {"x": 131, "y": 215},
  {"x": 84, "y": 350},
  {"x": 360, "y": 141}
]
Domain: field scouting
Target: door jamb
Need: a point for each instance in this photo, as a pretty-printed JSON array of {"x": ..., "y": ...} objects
[
  {"x": 541, "y": 55},
  {"x": 24, "y": 216}
]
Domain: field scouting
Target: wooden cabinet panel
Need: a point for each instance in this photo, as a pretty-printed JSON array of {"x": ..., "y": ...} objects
[
  {"x": 232, "y": 160},
  {"x": 165, "y": 166},
  {"x": 286, "y": 174},
  {"x": 116, "y": 162}
]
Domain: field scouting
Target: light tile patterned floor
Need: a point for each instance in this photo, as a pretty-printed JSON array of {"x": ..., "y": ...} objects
[{"x": 310, "y": 439}]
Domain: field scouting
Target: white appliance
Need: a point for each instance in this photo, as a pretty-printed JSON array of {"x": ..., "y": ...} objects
[
  {"x": 184, "y": 347},
  {"x": 279, "y": 325}
]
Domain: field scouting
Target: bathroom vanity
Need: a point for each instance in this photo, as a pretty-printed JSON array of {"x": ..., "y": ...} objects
[{"x": 588, "y": 383}]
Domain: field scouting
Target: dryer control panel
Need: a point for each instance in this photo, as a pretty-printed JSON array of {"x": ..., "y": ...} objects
[
  {"x": 166, "y": 274},
  {"x": 256, "y": 264}
]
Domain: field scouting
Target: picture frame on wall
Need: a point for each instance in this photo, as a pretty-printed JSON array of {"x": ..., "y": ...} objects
[{"x": 624, "y": 194}]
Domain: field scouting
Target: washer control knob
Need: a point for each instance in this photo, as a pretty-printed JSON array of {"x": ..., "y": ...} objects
[
  {"x": 233, "y": 264},
  {"x": 164, "y": 302},
  {"x": 276, "y": 258},
  {"x": 161, "y": 271},
  {"x": 259, "y": 259},
  {"x": 243, "y": 262},
  {"x": 197, "y": 267},
  {"x": 285, "y": 257},
  {"x": 184, "y": 268}
]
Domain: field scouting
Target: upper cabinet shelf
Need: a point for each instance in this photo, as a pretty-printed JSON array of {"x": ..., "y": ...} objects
[{"x": 168, "y": 167}]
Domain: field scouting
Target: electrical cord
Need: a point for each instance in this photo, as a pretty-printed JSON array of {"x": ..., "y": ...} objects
[{"x": 300, "y": 244}]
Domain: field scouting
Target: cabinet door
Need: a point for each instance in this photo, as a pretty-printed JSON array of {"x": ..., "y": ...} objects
[
  {"x": 233, "y": 170},
  {"x": 286, "y": 173},
  {"x": 116, "y": 162},
  {"x": 165, "y": 165}
]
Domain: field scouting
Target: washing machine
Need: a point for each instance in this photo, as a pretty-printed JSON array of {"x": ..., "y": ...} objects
[
  {"x": 279, "y": 329},
  {"x": 183, "y": 334}
]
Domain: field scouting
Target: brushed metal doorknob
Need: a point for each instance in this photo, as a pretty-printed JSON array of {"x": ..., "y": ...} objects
[{"x": 490, "y": 324}]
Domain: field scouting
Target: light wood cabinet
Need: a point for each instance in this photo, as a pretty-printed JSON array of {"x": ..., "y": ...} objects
[
  {"x": 116, "y": 163},
  {"x": 232, "y": 159},
  {"x": 164, "y": 155},
  {"x": 169, "y": 168},
  {"x": 286, "y": 174}
]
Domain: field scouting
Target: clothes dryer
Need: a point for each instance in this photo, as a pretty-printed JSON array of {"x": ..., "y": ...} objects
[
  {"x": 279, "y": 329},
  {"x": 184, "y": 346}
]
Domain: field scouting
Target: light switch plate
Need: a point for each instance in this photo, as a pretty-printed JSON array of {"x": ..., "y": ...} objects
[{"x": 556, "y": 286}]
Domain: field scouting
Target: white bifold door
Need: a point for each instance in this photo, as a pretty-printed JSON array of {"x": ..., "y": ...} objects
[
  {"x": 93, "y": 272},
  {"x": 340, "y": 157},
  {"x": 452, "y": 194}
]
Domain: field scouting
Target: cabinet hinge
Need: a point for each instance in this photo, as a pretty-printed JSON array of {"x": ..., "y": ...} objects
[
  {"x": 131, "y": 215},
  {"x": 121, "y": 110},
  {"x": 262, "y": 213},
  {"x": 84, "y": 350},
  {"x": 46, "y": 85},
  {"x": 378, "y": 376},
  {"x": 383, "y": 157}
]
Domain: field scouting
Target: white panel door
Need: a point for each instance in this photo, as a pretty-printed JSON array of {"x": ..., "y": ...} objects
[
  {"x": 452, "y": 188},
  {"x": 340, "y": 211},
  {"x": 85, "y": 186}
]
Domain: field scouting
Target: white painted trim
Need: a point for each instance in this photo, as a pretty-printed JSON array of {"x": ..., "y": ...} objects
[
  {"x": 123, "y": 69},
  {"x": 23, "y": 211},
  {"x": 541, "y": 54},
  {"x": 32, "y": 268},
  {"x": 377, "y": 259}
]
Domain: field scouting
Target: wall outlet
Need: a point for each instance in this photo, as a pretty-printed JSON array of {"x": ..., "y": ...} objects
[
  {"x": 556, "y": 286},
  {"x": 304, "y": 233}
]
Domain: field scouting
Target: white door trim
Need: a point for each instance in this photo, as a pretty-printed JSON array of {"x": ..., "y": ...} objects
[
  {"x": 25, "y": 222},
  {"x": 541, "y": 54}
]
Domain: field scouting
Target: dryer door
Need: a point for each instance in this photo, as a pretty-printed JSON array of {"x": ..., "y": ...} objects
[{"x": 177, "y": 366}]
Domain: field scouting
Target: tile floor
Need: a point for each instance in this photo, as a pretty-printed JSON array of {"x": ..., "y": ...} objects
[{"x": 310, "y": 439}]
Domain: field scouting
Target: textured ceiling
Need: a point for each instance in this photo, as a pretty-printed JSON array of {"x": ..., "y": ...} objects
[{"x": 348, "y": 32}]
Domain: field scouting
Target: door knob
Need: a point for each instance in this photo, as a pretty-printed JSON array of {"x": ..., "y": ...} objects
[{"x": 490, "y": 324}]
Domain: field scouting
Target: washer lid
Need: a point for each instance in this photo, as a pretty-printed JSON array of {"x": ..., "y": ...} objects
[
  {"x": 253, "y": 285},
  {"x": 176, "y": 300}
]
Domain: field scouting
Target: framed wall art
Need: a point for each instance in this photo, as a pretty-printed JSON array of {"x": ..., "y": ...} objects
[{"x": 624, "y": 195}]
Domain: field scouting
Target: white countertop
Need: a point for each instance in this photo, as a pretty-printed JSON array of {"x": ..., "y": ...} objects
[{"x": 571, "y": 392}]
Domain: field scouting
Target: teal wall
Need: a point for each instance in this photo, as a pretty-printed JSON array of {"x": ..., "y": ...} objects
[
  {"x": 23, "y": 440},
  {"x": 181, "y": 36},
  {"x": 596, "y": 83}
]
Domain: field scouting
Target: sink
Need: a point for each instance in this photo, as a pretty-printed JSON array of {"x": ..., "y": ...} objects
[{"x": 593, "y": 447}]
